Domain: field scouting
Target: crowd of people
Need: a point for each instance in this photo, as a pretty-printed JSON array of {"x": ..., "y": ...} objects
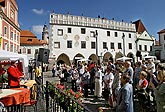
[{"x": 118, "y": 83}]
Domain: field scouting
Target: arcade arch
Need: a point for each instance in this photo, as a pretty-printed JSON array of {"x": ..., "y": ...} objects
[
  {"x": 107, "y": 56},
  {"x": 63, "y": 58}
]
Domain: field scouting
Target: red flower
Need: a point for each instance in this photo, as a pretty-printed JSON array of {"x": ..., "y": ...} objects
[{"x": 60, "y": 86}]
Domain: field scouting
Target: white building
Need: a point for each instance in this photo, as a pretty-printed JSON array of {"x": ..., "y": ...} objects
[
  {"x": 160, "y": 50},
  {"x": 75, "y": 37},
  {"x": 144, "y": 40},
  {"x": 30, "y": 44}
]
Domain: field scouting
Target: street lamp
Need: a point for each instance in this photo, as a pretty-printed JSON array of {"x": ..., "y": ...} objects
[
  {"x": 96, "y": 35},
  {"x": 123, "y": 37}
]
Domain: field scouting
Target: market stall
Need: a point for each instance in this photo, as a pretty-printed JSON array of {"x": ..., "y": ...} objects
[{"x": 6, "y": 57}]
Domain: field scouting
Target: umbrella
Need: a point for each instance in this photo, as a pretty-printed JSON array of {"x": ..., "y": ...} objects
[{"x": 123, "y": 59}]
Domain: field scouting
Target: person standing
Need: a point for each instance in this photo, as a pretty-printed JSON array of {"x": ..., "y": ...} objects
[
  {"x": 159, "y": 91},
  {"x": 116, "y": 85},
  {"x": 38, "y": 74},
  {"x": 54, "y": 70},
  {"x": 14, "y": 75},
  {"x": 75, "y": 76},
  {"x": 108, "y": 80},
  {"x": 129, "y": 71},
  {"x": 125, "y": 96},
  {"x": 98, "y": 82},
  {"x": 86, "y": 81}
]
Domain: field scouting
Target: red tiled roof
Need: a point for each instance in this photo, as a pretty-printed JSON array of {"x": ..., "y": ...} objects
[
  {"x": 162, "y": 31},
  {"x": 139, "y": 26},
  {"x": 28, "y": 38},
  {"x": 26, "y": 33}
]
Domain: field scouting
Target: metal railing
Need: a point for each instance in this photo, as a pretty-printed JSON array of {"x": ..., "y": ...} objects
[{"x": 58, "y": 101}]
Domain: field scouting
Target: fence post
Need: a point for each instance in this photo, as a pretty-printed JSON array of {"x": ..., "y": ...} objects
[{"x": 47, "y": 96}]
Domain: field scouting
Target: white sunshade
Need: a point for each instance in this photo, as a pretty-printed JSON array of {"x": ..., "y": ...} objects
[{"x": 123, "y": 59}]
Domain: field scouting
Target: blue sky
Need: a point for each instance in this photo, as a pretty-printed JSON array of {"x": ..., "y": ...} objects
[{"x": 33, "y": 14}]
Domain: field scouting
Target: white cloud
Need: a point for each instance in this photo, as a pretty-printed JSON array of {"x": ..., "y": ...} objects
[
  {"x": 38, "y": 11},
  {"x": 37, "y": 29}
]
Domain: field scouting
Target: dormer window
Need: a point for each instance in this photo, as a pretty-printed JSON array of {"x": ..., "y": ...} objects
[{"x": 29, "y": 40}]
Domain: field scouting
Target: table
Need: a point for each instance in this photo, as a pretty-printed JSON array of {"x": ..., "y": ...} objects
[
  {"x": 28, "y": 83},
  {"x": 15, "y": 96}
]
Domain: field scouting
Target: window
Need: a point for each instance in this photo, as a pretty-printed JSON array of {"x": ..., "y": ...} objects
[
  {"x": 129, "y": 35},
  {"x": 29, "y": 40},
  {"x": 145, "y": 47},
  {"x": 130, "y": 45},
  {"x": 6, "y": 46},
  {"x": 20, "y": 51},
  {"x": 5, "y": 30},
  {"x": 29, "y": 51},
  {"x": 36, "y": 51},
  {"x": 11, "y": 36},
  {"x": 15, "y": 37},
  {"x": 140, "y": 47},
  {"x": 69, "y": 30},
  {"x": 115, "y": 34},
  {"x": 83, "y": 44},
  {"x": 108, "y": 33},
  {"x": 60, "y": 32},
  {"x": 112, "y": 45},
  {"x": 51, "y": 16},
  {"x": 150, "y": 48},
  {"x": 119, "y": 46},
  {"x": 15, "y": 48},
  {"x": 56, "y": 44},
  {"x": 104, "y": 45},
  {"x": 11, "y": 48},
  {"x": 24, "y": 50},
  {"x": 82, "y": 30},
  {"x": 93, "y": 45},
  {"x": 69, "y": 44},
  {"x": 164, "y": 37},
  {"x": 92, "y": 33},
  {"x": 12, "y": 14}
]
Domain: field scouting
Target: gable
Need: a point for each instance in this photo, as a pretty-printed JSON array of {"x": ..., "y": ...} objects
[{"x": 145, "y": 36}]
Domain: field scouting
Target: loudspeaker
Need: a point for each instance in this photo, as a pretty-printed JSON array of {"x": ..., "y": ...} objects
[
  {"x": 138, "y": 53},
  {"x": 43, "y": 55}
]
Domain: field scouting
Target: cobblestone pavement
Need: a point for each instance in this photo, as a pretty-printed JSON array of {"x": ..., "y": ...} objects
[{"x": 92, "y": 103}]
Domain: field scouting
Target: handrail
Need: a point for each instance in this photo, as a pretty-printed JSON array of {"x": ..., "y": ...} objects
[{"x": 67, "y": 98}]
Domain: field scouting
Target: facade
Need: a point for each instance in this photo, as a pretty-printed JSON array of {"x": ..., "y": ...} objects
[
  {"x": 9, "y": 26},
  {"x": 144, "y": 40},
  {"x": 30, "y": 44},
  {"x": 75, "y": 37},
  {"x": 160, "y": 49}
]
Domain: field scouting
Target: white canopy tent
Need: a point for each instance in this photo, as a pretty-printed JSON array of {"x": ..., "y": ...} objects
[
  {"x": 124, "y": 59},
  {"x": 6, "y": 55}
]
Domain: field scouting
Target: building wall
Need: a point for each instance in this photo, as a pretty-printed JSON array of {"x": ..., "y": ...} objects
[
  {"x": 162, "y": 43},
  {"x": 145, "y": 39},
  {"x": 63, "y": 22},
  {"x": 24, "y": 50},
  {"x": 10, "y": 27}
]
